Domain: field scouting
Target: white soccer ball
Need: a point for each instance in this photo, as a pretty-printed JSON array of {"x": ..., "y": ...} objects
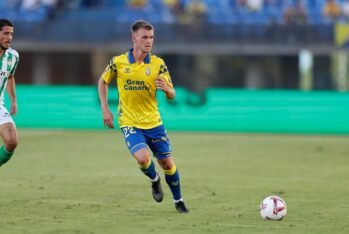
[{"x": 273, "y": 208}]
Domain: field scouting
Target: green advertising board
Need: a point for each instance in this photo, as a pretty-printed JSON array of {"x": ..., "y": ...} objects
[{"x": 228, "y": 110}]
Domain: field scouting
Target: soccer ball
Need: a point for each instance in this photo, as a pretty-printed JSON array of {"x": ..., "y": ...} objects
[{"x": 273, "y": 208}]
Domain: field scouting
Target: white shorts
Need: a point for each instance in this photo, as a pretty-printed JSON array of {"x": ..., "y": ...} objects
[{"x": 5, "y": 117}]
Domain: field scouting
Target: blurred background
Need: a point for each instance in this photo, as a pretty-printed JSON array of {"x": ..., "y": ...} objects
[{"x": 238, "y": 65}]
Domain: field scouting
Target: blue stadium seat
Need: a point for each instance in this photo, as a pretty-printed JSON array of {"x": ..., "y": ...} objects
[
  {"x": 113, "y": 3},
  {"x": 38, "y": 15},
  {"x": 114, "y": 16}
]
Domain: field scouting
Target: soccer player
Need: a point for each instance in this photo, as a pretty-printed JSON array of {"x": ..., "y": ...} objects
[
  {"x": 139, "y": 74},
  {"x": 8, "y": 63}
]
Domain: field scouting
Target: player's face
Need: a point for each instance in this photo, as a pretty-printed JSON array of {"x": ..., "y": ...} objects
[
  {"x": 143, "y": 40},
  {"x": 6, "y": 35}
]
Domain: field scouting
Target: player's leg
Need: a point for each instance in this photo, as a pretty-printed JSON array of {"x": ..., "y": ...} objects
[
  {"x": 160, "y": 145},
  {"x": 173, "y": 181},
  {"x": 147, "y": 166},
  {"x": 144, "y": 162},
  {"x": 136, "y": 143},
  {"x": 8, "y": 134}
]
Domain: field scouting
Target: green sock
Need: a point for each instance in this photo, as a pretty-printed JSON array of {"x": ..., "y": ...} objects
[{"x": 4, "y": 155}]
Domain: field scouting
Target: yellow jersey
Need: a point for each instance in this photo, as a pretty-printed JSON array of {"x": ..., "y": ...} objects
[{"x": 137, "y": 106}]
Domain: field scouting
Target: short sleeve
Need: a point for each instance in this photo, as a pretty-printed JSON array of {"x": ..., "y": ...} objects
[
  {"x": 165, "y": 74},
  {"x": 13, "y": 70},
  {"x": 110, "y": 71}
]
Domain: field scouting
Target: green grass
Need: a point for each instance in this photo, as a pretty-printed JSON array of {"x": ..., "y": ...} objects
[{"x": 86, "y": 182}]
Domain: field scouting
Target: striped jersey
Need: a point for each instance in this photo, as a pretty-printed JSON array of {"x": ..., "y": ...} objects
[
  {"x": 8, "y": 64},
  {"x": 138, "y": 106}
]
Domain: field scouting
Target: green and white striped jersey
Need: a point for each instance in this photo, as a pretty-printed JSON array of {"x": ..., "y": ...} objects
[{"x": 8, "y": 65}]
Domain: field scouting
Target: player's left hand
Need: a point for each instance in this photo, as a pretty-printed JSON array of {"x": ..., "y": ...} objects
[
  {"x": 161, "y": 84},
  {"x": 13, "y": 110}
]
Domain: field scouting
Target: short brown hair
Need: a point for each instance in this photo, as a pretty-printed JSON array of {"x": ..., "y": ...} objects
[{"x": 141, "y": 24}]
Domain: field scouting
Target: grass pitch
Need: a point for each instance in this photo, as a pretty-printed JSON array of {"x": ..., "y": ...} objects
[{"x": 86, "y": 182}]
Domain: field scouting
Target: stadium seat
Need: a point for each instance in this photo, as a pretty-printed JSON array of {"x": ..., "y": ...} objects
[{"x": 223, "y": 17}]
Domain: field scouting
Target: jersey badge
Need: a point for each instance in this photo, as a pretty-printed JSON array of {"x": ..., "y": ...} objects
[{"x": 147, "y": 71}]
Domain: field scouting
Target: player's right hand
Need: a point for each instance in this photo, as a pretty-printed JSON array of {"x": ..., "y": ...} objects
[
  {"x": 13, "y": 110},
  {"x": 108, "y": 118}
]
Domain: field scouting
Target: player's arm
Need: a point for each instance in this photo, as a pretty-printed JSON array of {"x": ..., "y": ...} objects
[
  {"x": 168, "y": 89},
  {"x": 11, "y": 90},
  {"x": 164, "y": 83},
  {"x": 103, "y": 82},
  {"x": 108, "y": 118}
]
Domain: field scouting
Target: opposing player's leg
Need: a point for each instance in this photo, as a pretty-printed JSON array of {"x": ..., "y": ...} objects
[
  {"x": 8, "y": 134},
  {"x": 137, "y": 146}
]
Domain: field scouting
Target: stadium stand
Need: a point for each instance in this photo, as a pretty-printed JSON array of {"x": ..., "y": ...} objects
[{"x": 225, "y": 19}]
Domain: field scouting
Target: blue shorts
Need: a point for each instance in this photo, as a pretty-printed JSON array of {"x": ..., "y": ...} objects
[{"x": 156, "y": 138}]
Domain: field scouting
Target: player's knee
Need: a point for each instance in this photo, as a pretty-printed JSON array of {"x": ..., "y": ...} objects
[
  {"x": 142, "y": 157},
  {"x": 168, "y": 166},
  {"x": 143, "y": 161},
  {"x": 166, "y": 163},
  {"x": 11, "y": 144}
]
